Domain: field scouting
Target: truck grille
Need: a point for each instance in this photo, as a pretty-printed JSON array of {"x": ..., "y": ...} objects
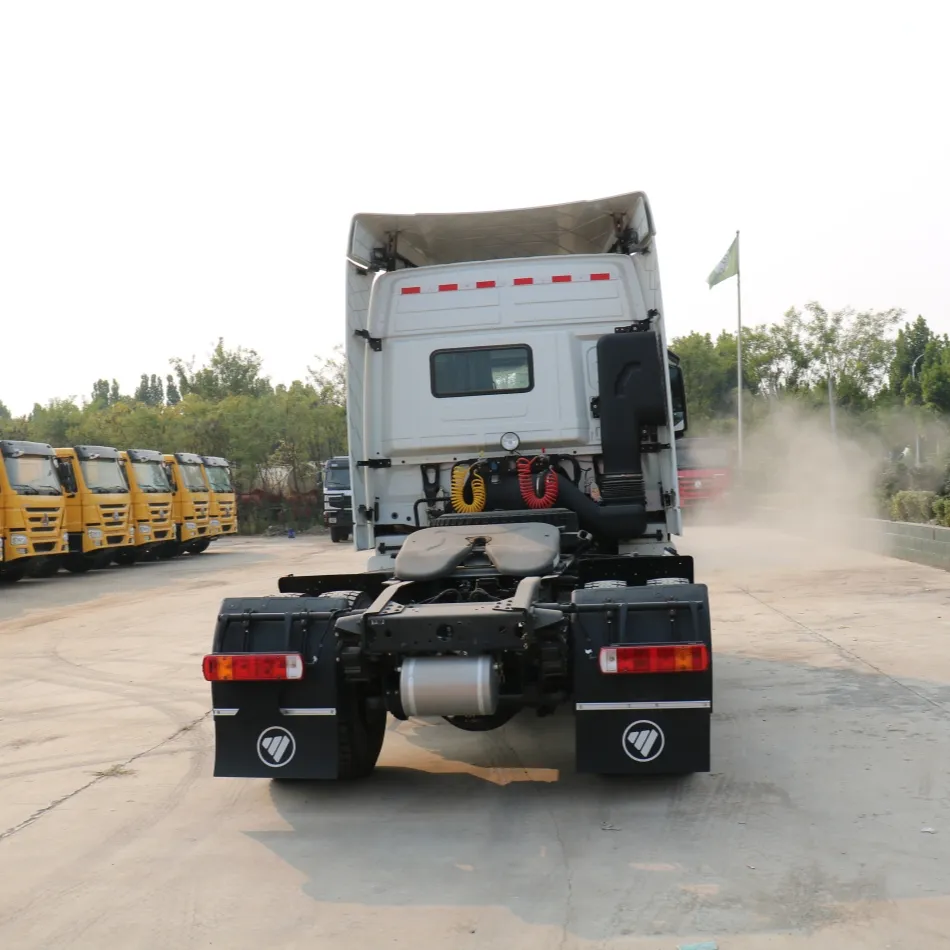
[
  {"x": 159, "y": 514},
  {"x": 114, "y": 516},
  {"x": 40, "y": 521}
]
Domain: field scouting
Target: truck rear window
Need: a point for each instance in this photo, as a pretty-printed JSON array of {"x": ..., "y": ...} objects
[{"x": 481, "y": 371}]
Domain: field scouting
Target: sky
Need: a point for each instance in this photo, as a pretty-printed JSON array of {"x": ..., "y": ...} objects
[{"x": 173, "y": 173}]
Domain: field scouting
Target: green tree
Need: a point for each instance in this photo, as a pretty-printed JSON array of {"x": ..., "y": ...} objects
[
  {"x": 329, "y": 378},
  {"x": 854, "y": 349},
  {"x": 172, "y": 395},
  {"x": 909, "y": 351},
  {"x": 234, "y": 372}
]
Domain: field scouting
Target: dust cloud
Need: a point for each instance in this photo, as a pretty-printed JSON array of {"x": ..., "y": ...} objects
[
  {"x": 801, "y": 477},
  {"x": 804, "y": 497}
]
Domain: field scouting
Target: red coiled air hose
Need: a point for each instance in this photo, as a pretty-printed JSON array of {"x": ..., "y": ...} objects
[{"x": 526, "y": 484}]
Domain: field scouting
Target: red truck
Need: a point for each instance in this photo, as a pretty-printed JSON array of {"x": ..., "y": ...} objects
[{"x": 705, "y": 471}]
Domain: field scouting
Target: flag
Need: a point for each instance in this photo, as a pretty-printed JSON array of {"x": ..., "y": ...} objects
[{"x": 727, "y": 267}]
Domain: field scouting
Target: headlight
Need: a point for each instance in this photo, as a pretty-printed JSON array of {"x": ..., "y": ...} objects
[
  {"x": 19, "y": 539},
  {"x": 94, "y": 533},
  {"x": 190, "y": 525},
  {"x": 510, "y": 441},
  {"x": 145, "y": 528}
]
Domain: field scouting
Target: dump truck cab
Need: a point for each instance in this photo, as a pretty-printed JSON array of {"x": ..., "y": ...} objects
[
  {"x": 222, "y": 510},
  {"x": 191, "y": 503},
  {"x": 98, "y": 506},
  {"x": 32, "y": 532},
  {"x": 337, "y": 498},
  {"x": 151, "y": 499},
  {"x": 512, "y": 416},
  {"x": 705, "y": 467}
]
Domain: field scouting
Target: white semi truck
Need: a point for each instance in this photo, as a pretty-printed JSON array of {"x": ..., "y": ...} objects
[{"x": 512, "y": 413}]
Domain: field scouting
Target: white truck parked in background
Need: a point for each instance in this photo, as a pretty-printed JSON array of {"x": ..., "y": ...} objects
[{"x": 512, "y": 415}]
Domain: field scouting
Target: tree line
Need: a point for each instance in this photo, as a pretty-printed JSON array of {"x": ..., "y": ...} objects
[
  {"x": 225, "y": 407},
  {"x": 864, "y": 363}
]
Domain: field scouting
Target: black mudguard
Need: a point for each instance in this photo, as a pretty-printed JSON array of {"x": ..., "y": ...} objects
[
  {"x": 282, "y": 729},
  {"x": 641, "y": 724}
]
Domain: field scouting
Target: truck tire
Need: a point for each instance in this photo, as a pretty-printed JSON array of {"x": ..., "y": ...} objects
[
  {"x": 361, "y": 724},
  {"x": 126, "y": 557},
  {"x": 339, "y": 534},
  {"x": 78, "y": 564},
  {"x": 45, "y": 567},
  {"x": 361, "y": 729},
  {"x": 201, "y": 546},
  {"x": 12, "y": 573}
]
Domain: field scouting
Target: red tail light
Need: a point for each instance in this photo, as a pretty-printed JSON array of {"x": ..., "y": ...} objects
[
  {"x": 667, "y": 658},
  {"x": 253, "y": 666}
]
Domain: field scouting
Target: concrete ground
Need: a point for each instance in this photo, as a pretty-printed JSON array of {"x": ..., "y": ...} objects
[{"x": 825, "y": 823}]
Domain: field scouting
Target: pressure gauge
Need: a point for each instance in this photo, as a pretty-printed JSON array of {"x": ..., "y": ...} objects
[{"x": 510, "y": 441}]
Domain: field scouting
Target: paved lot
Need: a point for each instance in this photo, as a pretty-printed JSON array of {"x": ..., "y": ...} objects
[{"x": 825, "y": 824}]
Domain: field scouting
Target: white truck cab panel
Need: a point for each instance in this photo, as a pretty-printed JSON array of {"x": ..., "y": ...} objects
[{"x": 464, "y": 327}]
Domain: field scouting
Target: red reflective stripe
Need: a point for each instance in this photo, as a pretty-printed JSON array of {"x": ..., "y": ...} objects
[
  {"x": 448, "y": 287},
  {"x": 600, "y": 276},
  {"x": 562, "y": 279},
  {"x": 483, "y": 284},
  {"x": 411, "y": 290},
  {"x": 521, "y": 281}
]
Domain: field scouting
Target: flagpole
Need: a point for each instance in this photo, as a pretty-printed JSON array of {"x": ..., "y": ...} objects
[{"x": 739, "y": 345}]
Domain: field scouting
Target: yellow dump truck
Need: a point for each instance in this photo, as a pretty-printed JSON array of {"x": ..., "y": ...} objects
[
  {"x": 223, "y": 507},
  {"x": 191, "y": 503},
  {"x": 152, "y": 501},
  {"x": 98, "y": 506},
  {"x": 32, "y": 534}
]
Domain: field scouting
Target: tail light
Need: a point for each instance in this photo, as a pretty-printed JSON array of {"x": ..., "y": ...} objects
[
  {"x": 253, "y": 666},
  {"x": 665, "y": 658}
]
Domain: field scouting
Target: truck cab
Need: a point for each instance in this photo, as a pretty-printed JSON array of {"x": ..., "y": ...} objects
[
  {"x": 337, "y": 498},
  {"x": 191, "y": 503},
  {"x": 32, "y": 532},
  {"x": 98, "y": 506},
  {"x": 151, "y": 498},
  {"x": 705, "y": 467},
  {"x": 223, "y": 501}
]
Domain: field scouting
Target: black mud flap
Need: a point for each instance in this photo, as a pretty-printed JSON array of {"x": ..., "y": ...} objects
[
  {"x": 642, "y": 741},
  {"x": 269, "y": 745},
  {"x": 286, "y": 729},
  {"x": 643, "y": 723}
]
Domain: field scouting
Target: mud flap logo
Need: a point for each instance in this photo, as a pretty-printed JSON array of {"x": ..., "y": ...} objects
[
  {"x": 275, "y": 747},
  {"x": 643, "y": 741}
]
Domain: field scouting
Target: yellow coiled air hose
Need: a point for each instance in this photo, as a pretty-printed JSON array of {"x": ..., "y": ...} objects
[{"x": 458, "y": 490}]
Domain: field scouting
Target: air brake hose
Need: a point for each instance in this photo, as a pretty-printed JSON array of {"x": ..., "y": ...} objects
[
  {"x": 526, "y": 484},
  {"x": 458, "y": 491}
]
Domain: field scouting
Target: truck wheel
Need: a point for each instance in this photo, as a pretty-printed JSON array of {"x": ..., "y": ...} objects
[
  {"x": 337, "y": 535},
  {"x": 361, "y": 723},
  {"x": 361, "y": 729},
  {"x": 46, "y": 567},
  {"x": 200, "y": 546},
  {"x": 77, "y": 564},
  {"x": 127, "y": 557},
  {"x": 12, "y": 573}
]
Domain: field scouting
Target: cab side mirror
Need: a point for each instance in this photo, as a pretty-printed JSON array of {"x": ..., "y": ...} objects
[
  {"x": 678, "y": 398},
  {"x": 67, "y": 477}
]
